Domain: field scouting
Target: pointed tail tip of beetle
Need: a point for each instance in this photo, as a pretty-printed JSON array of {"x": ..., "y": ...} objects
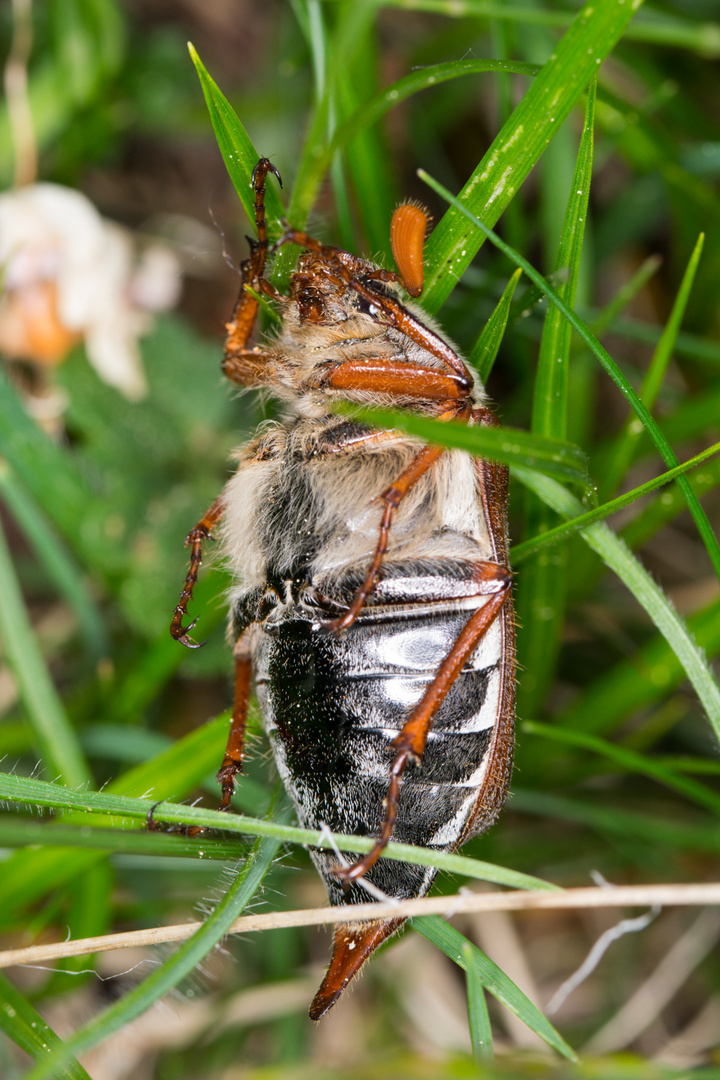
[{"x": 352, "y": 945}]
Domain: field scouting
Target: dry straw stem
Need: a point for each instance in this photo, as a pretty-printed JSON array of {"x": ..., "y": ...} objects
[{"x": 602, "y": 897}]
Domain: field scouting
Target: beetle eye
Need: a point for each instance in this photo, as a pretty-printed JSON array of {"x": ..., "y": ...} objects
[{"x": 367, "y": 307}]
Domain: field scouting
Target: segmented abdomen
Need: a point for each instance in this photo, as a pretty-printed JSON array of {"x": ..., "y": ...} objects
[{"x": 332, "y": 706}]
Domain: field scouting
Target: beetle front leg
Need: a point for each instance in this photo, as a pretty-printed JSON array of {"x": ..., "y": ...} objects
[
  {"x": 410, "y": 743},
  {"x": 194, "y": 540},
  {"x": 241, "y": 364}
]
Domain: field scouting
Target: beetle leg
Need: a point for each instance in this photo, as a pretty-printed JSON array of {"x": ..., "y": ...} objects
[
  {"x": 232, "y": 762},
  {"x": 194, "y": 540},
  {"x": 241, "y": 364},
  {"x": 397, "y": 377},
  {"x": 410, "y": 743},
  {"x": 392, "y": 497}
]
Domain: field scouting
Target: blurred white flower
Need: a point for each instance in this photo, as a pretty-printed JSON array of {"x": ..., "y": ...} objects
[{"x": 67, "y": 275}]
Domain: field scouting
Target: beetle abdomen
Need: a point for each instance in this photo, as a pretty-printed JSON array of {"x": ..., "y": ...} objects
[{"x": 333, "y": 706}]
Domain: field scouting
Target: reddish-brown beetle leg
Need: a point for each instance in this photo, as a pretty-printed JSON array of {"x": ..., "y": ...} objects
[
  {"x": 410, "y": 743},
  {"x": 194, "y": 540}
]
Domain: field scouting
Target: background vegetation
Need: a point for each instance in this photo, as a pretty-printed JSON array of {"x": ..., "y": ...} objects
[{"x": 617, "y": 768}]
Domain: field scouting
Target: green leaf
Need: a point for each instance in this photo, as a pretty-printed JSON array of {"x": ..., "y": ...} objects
[
  {"x": 172, "y": 971},
  {"x": 622, "y": 562},
  {"x": 238, "y": 152},
  {"x": 642, "y": 764},
  {"x": 53, "y": 733},
  {"x": 478, "y": 1018},
  {"x": 518, "y": 146},
  {"x": 59, "y": 564},
  {"x": 26, "y": 1027},
  {"x": 522, "y": 551},
  {"x": 510, "y": 446},
  {"x": 484, "y": 351},
  {"x": 649, "y": 676},
  {"x": 541, "y": 594},
  {"x": 40, "y": 793},
  {"x": 624, "y": 450},
  {"x": 703, "y": 525},
  {"x": 495, "y": 981}
]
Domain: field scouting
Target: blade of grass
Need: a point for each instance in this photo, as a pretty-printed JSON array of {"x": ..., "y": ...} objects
[
  {"x": 17, "y": 831},
  {"x": 541, "y": 594},
  {"x": 511, "y": 446},
  {"x": 522, "y": 551},
  {"x": 368, "y": 114},
  {"x": 236, "y": 147},
  {"x": 40, "y": 793},
  {"x": 181, "y": 963},
  {"x": 495, "y": 981},
  {"x": 608, "y": 315},
  {"x": 22, "y": 1023},
  {"x": 354, "y": 75},
  {"x": 617, "y": 822},
  {"x": 703, "y": 525},
  {"x": 60, "y": 567},
  {"x": 656, "y": 27},
  {"x": 643, "y": 764},
  {"x": 484, "y": 351},
  {"x": 478, "y": 1018},
  {"x": 45, "y": 471},
  {"x": 28, "y": 875},
  {"x": 53, "y": 733},
  {"x": 649, "y": 676},
  {"x": 669, "y": 505},
  {"x": 622, "y": 562},
  {"x": 518, "y": 146},
  {"x": 619, "y": 462}
]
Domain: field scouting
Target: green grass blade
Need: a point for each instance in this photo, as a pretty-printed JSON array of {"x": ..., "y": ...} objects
[
  {"x": 59, "y": 565},
  {"x": 478, "y": 1017},
  {"x": 238, "y": 152},
  {"x": 511, "y": 446},
  {"x": 484, "y": 351},
  {"x": 22, "y": 1023},
  {"x": 624, "y": 451},
  {"x": 650, "y": 520},
  {"x": 550, "y": 399},
  {"x": 619, "y": 823},
  {"x": 368, "y": 114},
  {"x": 541, "y": 594},
  {"x": 634, "y": 684},
  {"x": 28, "y": 875},
  {"x": 703, "y": 525},
  {"x": 522, "y": 551},
  {"x": 453, "y": 944},
  {"x": 44, "y": 470},
  {"x": 607, "y": 317},
  {"x": 173, "y": 971},
  {"x": 622, "y": 562},
  {"x": 39, "y": 793},
  {"x": 658, "y": 28},
  {"x": 17, "y": 831},
  {"x": 642, "y": 764},
  {"x": 53, "y": 733},
  {"x": 518, "y": 146}
]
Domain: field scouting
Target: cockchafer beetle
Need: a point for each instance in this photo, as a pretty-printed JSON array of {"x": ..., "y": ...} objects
[{"x": 372, "y": 606}]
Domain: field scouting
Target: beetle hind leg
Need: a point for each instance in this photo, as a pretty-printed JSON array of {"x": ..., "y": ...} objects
[{"x": 494, "y": 580}]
